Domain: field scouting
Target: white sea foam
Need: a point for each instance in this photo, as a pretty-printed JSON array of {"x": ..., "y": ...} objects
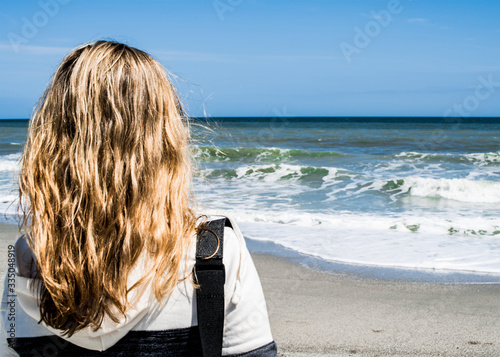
[
  {"x": 412, "y": 155},
  {"x": 484, "y": 158},
  {"x": 9, "y": 166},
  {"x": 267, "y": 152},
  {"x": 415, "y": 242},
  {"x": 10, "y": 162},
  {"x": 8, "y": 208},
  {"x": 463, "y": 190},
  {"x": 479, "y": 158},
  {"x": 279, "y": 172},
  {"x": 269, "y": 173}
]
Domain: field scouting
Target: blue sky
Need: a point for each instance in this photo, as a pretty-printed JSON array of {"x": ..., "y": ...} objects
[{"x": 268, "y": 58}]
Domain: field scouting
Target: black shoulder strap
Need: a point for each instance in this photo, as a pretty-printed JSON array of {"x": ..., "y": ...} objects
[{"x": 210, "y": 276}]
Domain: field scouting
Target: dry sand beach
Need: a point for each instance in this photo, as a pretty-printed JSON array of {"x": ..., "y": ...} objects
[
  {"x": 322, "y": 314},
  {"x": 326, "y": 314}
]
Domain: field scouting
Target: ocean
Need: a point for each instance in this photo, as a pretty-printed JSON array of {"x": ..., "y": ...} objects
[{"x": 412, "y": 193}]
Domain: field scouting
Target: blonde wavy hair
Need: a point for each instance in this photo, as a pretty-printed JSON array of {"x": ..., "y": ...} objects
[{"x": 105, "y": 177}]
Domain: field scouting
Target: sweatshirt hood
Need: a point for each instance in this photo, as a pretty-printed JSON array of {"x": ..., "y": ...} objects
[{"x": 108, "y": 334}]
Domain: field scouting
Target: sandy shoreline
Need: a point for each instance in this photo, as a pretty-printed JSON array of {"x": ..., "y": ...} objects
[
  {"x": 325, "y": 314},
  {"x": 322, "y": 314}
]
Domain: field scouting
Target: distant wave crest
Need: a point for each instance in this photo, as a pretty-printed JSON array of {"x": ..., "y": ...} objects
[
  {"x": 210, "y": 153},
  {"x": 480, "y": 158},
  {"x": 463, "y": 190}
]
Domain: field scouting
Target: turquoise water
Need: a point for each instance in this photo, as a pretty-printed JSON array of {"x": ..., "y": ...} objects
[{"x": 418, "y": 193}]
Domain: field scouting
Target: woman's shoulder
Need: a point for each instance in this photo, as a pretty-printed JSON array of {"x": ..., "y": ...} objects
[
  {"x": 234, "y": 245},
  {"x": 25, "y": 260}
]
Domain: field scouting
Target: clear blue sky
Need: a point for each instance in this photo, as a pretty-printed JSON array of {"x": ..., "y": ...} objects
[{"x": 267, "y": 58}]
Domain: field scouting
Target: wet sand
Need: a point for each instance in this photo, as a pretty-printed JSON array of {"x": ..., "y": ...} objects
[{"x": 322, "y": 314}]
